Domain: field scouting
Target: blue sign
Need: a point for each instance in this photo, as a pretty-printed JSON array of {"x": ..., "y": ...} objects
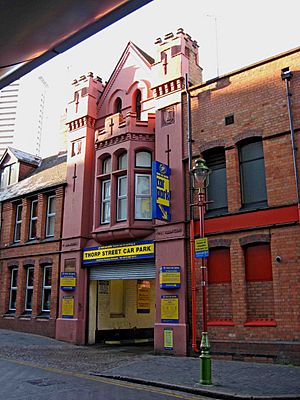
[
  {"x": 169, "y": 277},
  {"x": 202, "y": 254},
  {"x": 161, "y": 194},
  {"x": 68, "y": 280}
]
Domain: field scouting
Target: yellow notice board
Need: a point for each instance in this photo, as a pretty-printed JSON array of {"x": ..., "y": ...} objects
[
  {"x": 168, "y": 339},
  {"x": 67, "y": 307},
  {"x": 169, "y": 277},
  {"x": 143, "y": 297},
  {"x": 169, "y": 308}
]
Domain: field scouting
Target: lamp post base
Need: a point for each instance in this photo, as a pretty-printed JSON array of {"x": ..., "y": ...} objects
[{"x": 205, "y": 361}]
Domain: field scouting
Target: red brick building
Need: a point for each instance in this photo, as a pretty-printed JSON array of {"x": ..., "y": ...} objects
[
  {"x": 244, "y": 127},
  {"x": 32, "y": 196}
]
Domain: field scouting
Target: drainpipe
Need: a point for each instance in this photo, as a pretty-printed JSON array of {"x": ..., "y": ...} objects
[
  {"x": 286, "y": 75},
  {"x": 192, "y": 223}
]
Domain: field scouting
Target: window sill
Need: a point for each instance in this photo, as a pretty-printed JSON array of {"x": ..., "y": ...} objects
[
  {"x": 220, "y": 322},
  {"x": 261, "y": 322},
  {"x": 9, "y": 315},
  {"x": 43, "y": 315}
]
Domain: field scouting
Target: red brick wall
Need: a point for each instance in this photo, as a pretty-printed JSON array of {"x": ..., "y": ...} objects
[{"x": 257, "y": 98}]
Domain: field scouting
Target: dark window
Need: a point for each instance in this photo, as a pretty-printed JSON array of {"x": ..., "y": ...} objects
[
  {"x": 118, "y": 105},
  {"x": 229, "y": 119},
  {"x": 33, "y": 219},
  {"x": 18, "y": 223},
  {"x": 50, "y": 217},
  {"x": 29, "y": 289},
  {"x": 138, "y": 104},
  {"x": 13, "y": 290},
  {"x": 46, "y": 291},
  {"x": 217, "y": 188},
  {"x": 252, "y": 173}
]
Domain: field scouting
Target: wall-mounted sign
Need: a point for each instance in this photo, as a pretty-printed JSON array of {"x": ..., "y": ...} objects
[
  {"x": 67, "y": 307},
  {"x": 168, "y": 339},
  {"x": 68, "y": 280},
  {"x": 201, "y": 248},
  {"x": 143, "y": 296},
  {"x": 169, "y": 277},
  {"x": 119, "y": 252},
  {"x": 161, "y": 191},
  {"x": 169, "y": 309}
]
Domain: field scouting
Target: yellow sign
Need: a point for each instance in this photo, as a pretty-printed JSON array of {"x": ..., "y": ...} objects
[
  {"x": 143, "y": 249},
  {"x": 163, "y": 190},
  {"x": 168, "y": 339},
  {"x": 143, "y": 297},
  {"x": 67, "y": 307},
  {"x": 169, "y": 308},
  {"x": 201, "y": 244},
  {"x": 169, "y": 277}
]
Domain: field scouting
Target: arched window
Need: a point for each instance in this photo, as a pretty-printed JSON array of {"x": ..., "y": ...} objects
[
  {"x": 217, "y": 188},
  {"x": 143, "y": 159},
  {"x": 252, "y": 173},
  {"x": 118, "y": 105},
  {"x": 122, "y": 161},
  {"x": 138, "y": 104},
  {"x": 106, "y": 166}
]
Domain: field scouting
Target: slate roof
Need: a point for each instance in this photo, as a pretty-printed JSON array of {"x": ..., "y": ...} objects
[
  {"x": 51, "y": 172},
  {"x": 25, "y": 157}
]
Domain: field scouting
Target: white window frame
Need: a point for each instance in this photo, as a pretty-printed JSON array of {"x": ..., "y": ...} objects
[
  {"x": 18, "y": 222},
  {"x": 143, "y": 164},
  {"x": 50, "y": 216},
  {"x": 28, "y": 287},
  {"x": 121, "y": 197},
  {"x": 12, "y": 288},
  {"x": 106, "y": 165},
  {"x": 32, "y": 219},
  {"x": 105, "y": 201},
  {"x": 123, "y": 159},
  {"x": 46, "y": 287},
  {"x": 141, "y": 196}
]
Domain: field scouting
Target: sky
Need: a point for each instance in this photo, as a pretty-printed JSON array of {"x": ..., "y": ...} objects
[{"x": 230, "y": 33}]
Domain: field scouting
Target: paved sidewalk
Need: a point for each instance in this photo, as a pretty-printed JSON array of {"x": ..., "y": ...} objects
[{"x": 231, "y": 379}]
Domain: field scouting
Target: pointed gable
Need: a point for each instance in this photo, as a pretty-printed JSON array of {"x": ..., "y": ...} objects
[{"x": 132, "y": 73}]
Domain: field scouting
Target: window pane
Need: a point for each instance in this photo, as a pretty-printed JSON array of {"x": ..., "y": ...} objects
[
  {"x": 106, "y": 166},
  {"x": 34, "y": 208},
  {"x": 47, "y": 300},
  {"x": 18, "y": 232},
  {"x": 106, "y": 212},
  {"x": 251, "y": 151},
  {"x": 217, "y": 189},
  {"x": 50, "y": 226},
  {"x": 106, "y": 190},
  {"x": 30, "y": 275},
  {"x": 19, "y": 212},
  {"x": 143, "y": 159},
  {"x": 48, "y": 276},
  {"x": 122, "y": 161},
  {"x": 29, "y": 295},
  {"x": 122, "y": 186},
  {"x": 254, "y": 183},
  {"x": 13, "y": 300},
  {"x": 143, "y": 208},
  {"x": 143, "y": 185},
  {"x": 33, "y": 229},
  {"x": 14, "y": 278},
  {"x": 51, "y": 206},
  {"x": 122, "y": 209}
]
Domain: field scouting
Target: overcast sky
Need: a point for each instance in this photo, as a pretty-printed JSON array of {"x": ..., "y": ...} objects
[{"x": 230, "y": 34}]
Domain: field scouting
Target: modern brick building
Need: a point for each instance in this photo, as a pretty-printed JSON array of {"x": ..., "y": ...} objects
[
  {"x": 246, "y": 126},
  {"x": 32, "y": 198}
]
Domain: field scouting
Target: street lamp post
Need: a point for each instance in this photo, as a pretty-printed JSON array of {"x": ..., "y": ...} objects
[{"x": 200, "y": 173}]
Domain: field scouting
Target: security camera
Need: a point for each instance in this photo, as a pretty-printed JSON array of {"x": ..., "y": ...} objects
[{"x": 278, "y": 259}]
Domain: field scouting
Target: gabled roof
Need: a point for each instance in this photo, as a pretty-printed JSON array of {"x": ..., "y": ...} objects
[
  {"x": 51, "y": 172},
  {"x": 21, "y": 156},
  {"x": 147, "y": 59}
]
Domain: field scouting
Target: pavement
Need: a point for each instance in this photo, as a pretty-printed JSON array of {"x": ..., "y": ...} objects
[{"x": 139, "y": 364}]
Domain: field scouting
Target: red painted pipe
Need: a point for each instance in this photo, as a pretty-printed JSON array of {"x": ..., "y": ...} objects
[{"x": 194, "y": 288}]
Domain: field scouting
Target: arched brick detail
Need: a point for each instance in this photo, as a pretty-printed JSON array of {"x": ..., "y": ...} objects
[
  {"x": 219, "y": 243},
  {"x": 247, "y": 135},
  {"x": 46, "y": 260},
  {"x": 211, "y": 145},
  {"x": 12, "y": 263},
  {"x": 262, "y": 238},
  {"x": 28, "y": 261}
]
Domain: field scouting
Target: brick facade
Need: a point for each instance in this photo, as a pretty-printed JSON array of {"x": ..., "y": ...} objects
[{"x": 262, "y": 311}]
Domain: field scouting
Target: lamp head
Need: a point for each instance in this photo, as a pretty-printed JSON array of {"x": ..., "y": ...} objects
[{"x": 200, "y": 173}]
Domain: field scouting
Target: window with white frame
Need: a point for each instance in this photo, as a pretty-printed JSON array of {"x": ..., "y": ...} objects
[
  {"x": 143, "y": 196},
  {"x": 143, "y": 159},
  {"x": 9, "y": 175},
  {"x": 46, "y": 293},
  {"x": 33, "y": 219},
  {"x": 105, "y": 202},
  {"x": 50, "y": 217},
  {"x": 18, "y": 223},
  {"x": 29, "y": 288},
  {"x": 122, "y": 198},
  {"x": 13, "y": 289}
]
